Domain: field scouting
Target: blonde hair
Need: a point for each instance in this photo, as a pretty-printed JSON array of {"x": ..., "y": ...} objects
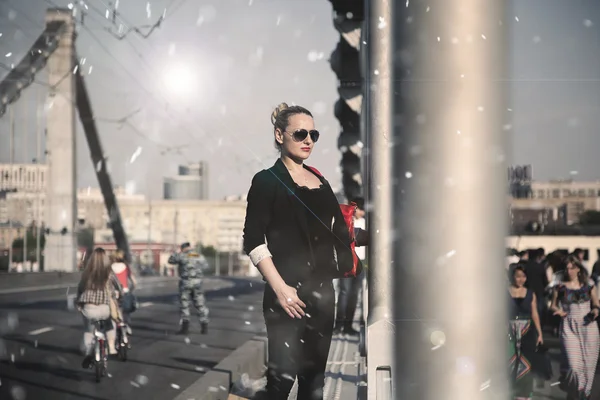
[
  {"x": 276, "y": 111},
  {"x": 119, "y": 256},
  {"x": 281, "y": 115}
]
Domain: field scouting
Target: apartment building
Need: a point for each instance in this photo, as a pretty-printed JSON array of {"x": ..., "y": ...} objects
[
  {"x": 212, "y": 223},
  {"x": 566, "y": 198},
  {"x": 23, "y": 177}
]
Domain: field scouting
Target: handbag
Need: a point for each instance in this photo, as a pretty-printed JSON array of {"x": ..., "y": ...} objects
[
  {"x": 112, "y": 304},
  {"x": 348, "y": 211},
  {"x": 129, "y": 303},
  {"x": 543, "y": 365}
]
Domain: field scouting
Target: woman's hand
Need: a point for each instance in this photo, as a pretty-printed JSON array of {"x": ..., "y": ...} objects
[
  {"x": 560, "y": 313},
  {"x": 540, "y": 339},
  {"x": 595, "y": 313},
  {"x": 289, "y": 301}
]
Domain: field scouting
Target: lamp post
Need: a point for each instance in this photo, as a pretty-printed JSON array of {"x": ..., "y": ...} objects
[{"x": 11, "y": 162}]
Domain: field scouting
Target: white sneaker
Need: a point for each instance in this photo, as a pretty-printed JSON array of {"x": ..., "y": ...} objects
[{"x": 128, "y": 330}]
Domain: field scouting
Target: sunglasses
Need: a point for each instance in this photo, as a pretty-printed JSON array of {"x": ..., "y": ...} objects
[{"x": 301, "y": 134}]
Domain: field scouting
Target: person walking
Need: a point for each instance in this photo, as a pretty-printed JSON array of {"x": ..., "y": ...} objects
[
  {"x": 525, "y": 337},
  {"x": 575, "y": 301},
  {"x": 190, "y": 266},
  {"x": 349, "y": 288}
]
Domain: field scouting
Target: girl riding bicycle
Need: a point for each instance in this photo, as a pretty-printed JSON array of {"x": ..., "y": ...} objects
[
  {"x": 96, "y": 300},
  {"x": 128, "y": 282}
]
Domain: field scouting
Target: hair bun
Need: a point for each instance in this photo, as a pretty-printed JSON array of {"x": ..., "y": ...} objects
[{"x": 278, "y": 109}]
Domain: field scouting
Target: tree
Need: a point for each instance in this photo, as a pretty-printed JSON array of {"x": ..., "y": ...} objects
[
  {"x": 18, "y": 244},
  {"x": 209, "y": 251},
  {"x": 590, "y": 217},
  {"x": 85, "y": 238}
]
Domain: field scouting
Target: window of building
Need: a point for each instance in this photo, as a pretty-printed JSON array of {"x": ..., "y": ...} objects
[
  {"x": 540, "y": 194},
  {"x": 564, "y": 252},
  {"x": 586, "y": 254},
  {"x": 581, "y": 192},
  {"x": 556, "y": 193},
  {"x": 591, "y": 193}
]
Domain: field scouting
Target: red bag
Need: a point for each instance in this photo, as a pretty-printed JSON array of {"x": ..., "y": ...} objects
[{"x": 348, "y": 211}]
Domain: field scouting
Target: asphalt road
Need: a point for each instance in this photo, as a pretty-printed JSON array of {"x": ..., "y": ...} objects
[
  {"x": 40, "y": 340},
  {"x": 551, "y": 390}
]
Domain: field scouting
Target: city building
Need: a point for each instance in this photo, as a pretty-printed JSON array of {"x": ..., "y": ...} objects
[
  {"x": 9, "y": 232},
  {"x": 567, "y": 198},
  {"x": 28, "y": 207},
  {"x": 190, "y": 184},
  {"x": 520, "y": 178},
  {"x": 211, "y": 223},
  {"x": 23, "y": 177},
  {"x": 565, "y": 189}
]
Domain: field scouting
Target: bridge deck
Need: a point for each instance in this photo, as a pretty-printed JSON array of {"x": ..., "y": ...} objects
[{"x": 40, "y": 355}]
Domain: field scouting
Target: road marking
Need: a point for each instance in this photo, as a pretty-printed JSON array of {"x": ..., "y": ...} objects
[
  {"x": 36, "y": 288},
  {"x": 146, "y": 304},
  {"x": 150, "y": 281},
  {"x": 40, "y": 331}
]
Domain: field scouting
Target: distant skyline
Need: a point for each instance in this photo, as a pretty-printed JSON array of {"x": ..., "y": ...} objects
[{"x": 246, "y": 56}]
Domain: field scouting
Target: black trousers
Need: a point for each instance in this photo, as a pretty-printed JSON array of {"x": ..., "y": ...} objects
[
  {"x": 347, "y": 301},
  {"x": 299, "y": 347}
]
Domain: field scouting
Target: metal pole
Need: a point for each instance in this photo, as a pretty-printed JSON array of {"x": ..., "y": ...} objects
[
  {"x": 218, "y": 264},
  {"x": 175, "y": 221},
  {"x": 11, "y": 113},
  {"x": 25, "y": 241},
  {"x": 379, "y": 86},
  {"x": 38, "y": 156},
  {"x": 11, "y": 182},
  {"x": 26, "y": 159},
  {"x": 149, "y": 226},
  {"x": 449, "y": 198},
  {"x": 230, "y": 263}
]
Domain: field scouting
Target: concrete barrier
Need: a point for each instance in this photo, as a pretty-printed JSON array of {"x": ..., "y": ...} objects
[
  {"x": 12, "y": 280},
  {"x": 250, "y": 358},
  {"x": 35, "y": 281}
]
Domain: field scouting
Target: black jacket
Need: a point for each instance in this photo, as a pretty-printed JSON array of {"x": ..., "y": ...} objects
[{"x": 275, "y": 213}]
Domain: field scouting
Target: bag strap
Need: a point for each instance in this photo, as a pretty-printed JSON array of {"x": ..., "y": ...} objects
[{"x": 316, "y": 171}]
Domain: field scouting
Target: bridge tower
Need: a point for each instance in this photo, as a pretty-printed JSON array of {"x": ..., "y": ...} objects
[{"x": 61, "y": 193}]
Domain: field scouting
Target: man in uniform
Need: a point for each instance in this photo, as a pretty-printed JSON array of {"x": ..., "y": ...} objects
[{"x": 190, "y": 266}]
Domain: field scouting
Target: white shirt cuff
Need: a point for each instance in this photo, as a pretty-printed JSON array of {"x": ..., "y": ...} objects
[{"x": 259, "y": 253}]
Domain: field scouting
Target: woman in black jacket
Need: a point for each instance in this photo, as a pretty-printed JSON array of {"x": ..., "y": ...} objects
[{"x": 296, "y": 235}]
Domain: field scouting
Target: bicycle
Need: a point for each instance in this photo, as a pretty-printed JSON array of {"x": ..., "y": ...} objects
[
  {"x": 99, "y": 346},
  {"x": 122, "y": 343}
]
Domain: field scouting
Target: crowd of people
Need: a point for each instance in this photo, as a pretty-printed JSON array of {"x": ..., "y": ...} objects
[{"x": 558, "y": 292}]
